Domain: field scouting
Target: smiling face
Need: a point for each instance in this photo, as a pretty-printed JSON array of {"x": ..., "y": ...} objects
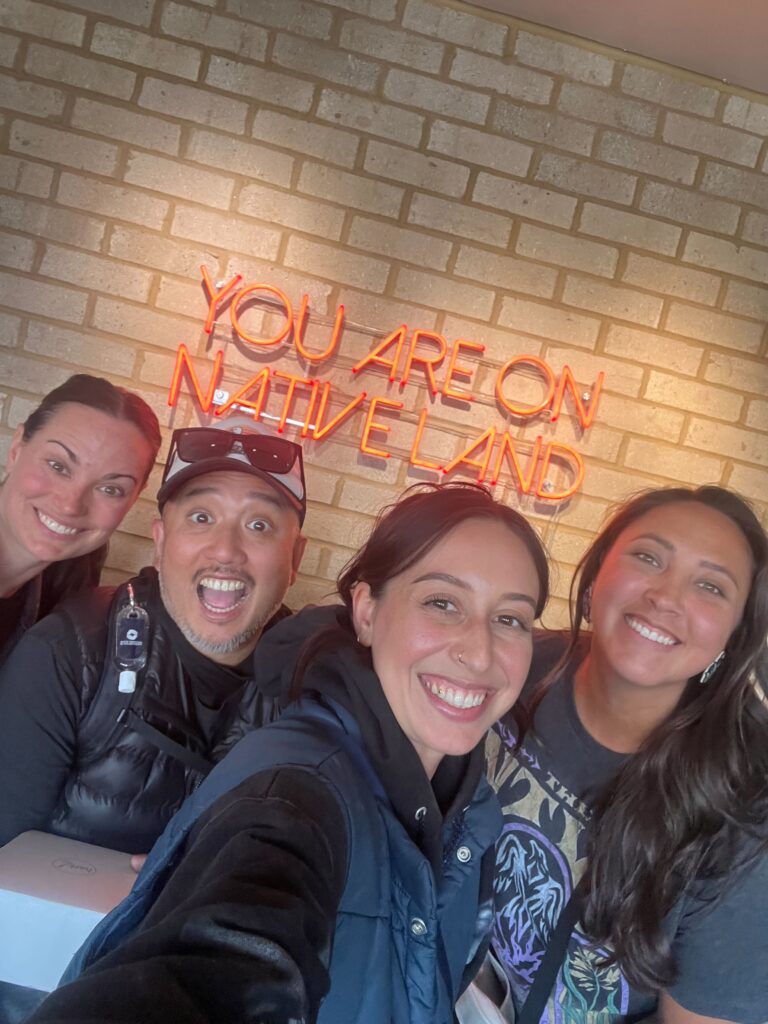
[
  {"x": 227, "y": 549},
  {"x": 69, "y": 486},
  {"x": 668, "y": 595},
  {"x": 450, "y": 637}
]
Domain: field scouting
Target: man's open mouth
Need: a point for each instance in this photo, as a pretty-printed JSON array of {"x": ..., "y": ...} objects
[{"x": 220, "y": 595}]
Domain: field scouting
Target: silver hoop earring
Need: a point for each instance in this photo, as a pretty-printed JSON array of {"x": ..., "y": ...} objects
[
  {"x": 460, "y": 657},
  {"x": 710, "y": 670},
  {"x": 586, "y": 605}
]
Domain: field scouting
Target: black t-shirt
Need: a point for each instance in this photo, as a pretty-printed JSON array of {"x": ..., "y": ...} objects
[{"x": 719, "y": 932}]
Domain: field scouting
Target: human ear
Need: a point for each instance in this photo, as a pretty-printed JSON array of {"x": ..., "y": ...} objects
[
  {"x": 297, "y": 555},
  {"x": 15, "y": 448},
  {"x": 158, "y": 535},
  {"x": 363, "y": 612}
]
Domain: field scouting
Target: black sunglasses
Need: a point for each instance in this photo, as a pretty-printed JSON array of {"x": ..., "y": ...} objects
[{"x": 269, "y": 454}]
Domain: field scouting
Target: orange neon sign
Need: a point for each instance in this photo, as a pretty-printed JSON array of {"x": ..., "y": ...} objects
[{"x": 420, "y": 356}]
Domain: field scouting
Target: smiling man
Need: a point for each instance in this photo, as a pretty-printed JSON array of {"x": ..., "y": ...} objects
[{"x": 114, "y": 707}]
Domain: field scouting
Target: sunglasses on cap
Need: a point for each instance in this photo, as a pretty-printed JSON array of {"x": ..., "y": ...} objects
[{"x": 264, "y": 452}]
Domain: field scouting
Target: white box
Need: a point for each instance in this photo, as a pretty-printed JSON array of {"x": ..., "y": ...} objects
[{"x": 53, "y": 892}]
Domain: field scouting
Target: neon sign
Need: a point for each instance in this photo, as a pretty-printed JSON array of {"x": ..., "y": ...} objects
[{"x": 446, "y": 370}]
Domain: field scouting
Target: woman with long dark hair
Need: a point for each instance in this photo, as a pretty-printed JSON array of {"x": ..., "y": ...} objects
[
  {"x": 74, "y": 468},
  {"x": 643, "y": 783},
  {"x": 336, "y": 865}
]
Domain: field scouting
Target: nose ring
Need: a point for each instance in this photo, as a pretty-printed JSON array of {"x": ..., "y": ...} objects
[{"x": 460, "y": 657}]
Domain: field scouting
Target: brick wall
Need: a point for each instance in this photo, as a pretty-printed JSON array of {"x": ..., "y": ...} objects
[{"x": 421, "y": 163}]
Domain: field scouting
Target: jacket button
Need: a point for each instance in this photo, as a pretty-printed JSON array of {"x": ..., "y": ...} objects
[
  {"x": 418, "y": 927},
  {"x": 464, "y": 854}
]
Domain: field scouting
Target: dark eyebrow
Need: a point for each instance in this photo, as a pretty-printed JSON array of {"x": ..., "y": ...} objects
[
  {"x": 445, "y": 577},
  {"x": 704, "y": 564},
  {"x": 76, "y": 461}
]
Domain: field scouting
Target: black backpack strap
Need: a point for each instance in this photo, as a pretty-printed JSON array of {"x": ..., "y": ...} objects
[{"x": 554, "y": 954}]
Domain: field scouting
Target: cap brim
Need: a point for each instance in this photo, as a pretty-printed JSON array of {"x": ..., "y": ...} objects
[{"x": 224, "y": 465}]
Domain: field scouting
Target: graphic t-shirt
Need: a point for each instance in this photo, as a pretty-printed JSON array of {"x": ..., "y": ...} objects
[{"x": 720, "y": 939}]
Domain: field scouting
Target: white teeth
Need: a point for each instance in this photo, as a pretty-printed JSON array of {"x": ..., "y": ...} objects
[
  {"x": 651, "y": 634},
  {"x": 210, "y": 583},
  {"x": 456, "y": 698},
  {"x": 54, "y": 527}
]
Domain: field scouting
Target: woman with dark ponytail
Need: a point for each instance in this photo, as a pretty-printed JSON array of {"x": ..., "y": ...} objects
[
  {"x": 74, "y": 468},
  {"x": 642, "y": 783}
]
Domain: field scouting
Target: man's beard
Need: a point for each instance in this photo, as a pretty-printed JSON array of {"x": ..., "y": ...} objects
[{"x": 214, "y": 648}]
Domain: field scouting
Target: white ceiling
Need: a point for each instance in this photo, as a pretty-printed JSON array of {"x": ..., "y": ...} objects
[{"x": 723, "y": 40}]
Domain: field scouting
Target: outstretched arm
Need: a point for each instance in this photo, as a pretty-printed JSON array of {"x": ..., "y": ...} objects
[{"x": 244, "y": 927}]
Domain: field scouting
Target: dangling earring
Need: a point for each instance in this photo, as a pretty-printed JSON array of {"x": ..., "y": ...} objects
[
  {"x": 710, "y": 670},
  {"x": 586, "y": 605}
]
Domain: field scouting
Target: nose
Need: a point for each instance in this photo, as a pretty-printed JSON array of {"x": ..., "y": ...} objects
[
  {"x": 473, "y": 648},
  {"x": 665, "y": 593},
  {"x": 72, "y": 499},
  {"x": 225, "y": 544}
]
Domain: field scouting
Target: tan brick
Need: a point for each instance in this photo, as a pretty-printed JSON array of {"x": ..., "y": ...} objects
[
  {"x": 549, "y": 322},
  {"x": 507, "y": 79},
  {"x": 331, "y": 144},
  {"x": 564, "y": 250},
  {"x": 350, "y": 190},
  {"x": 225, "y": 232},
  {"x": 9, "y": 47},
  {"x": 96, "y": 273},
  {"x": 30, "y": 98},
  {"x": 673, "y": 463},
  {"x": 429, "y": 172},
  {"x": 117, "y": 123},
  {"x": 459, "y": 219},
  {"x": 701, "y": 398},
  {"x": 326, "y": 63},
  {"x": 63, "y": 147},
  {"x": 372, "y": 116},
  {"x": 718, "y": 254},
  {"x": 670, "y": 279},
  {"x": 366, "y": 498},
  {"x": 112, "y": 201},
  {"x": 83, "y": 72},
  {"x": 16, "y": 252},
  {"x": 597, "y": 105},
  {"x": 146, "y": 51},
  {"x": 640, "y": 418},
  {"x": 142, "y": 324},
  {"x": 525, "y": 200},
  {"x": 756, "y": 229},
  {"x": 186, "y": 297},
  {"x": 42, "y": 20},
  {"x": 128, "y": 243},
  {"x": 749, "y": 375},
  {"x": 757, "y": 417},
  {"x": 10, "y": 329},
  {"x": 382, "y": 10},
  {"x": 714, "y": 140},
  {"x": 614, "y": 485},
  {"x": 189, "y": 103},
  {"x": 247, "y": 158},
  {"x": 669, "y": 91},
  {"x": 751, "y": 482},
  {"x": 629, "y": 228},
  {"x": 622, "y": 303},
  {"x": 441, "y": 98},
  {"x": 271, "y": 205},
  {"x": 80, "y": 349},
  {"x": 441, "y": 292},
  {"x": 399, "y": 243},
  {"x": 648, "y": 157},
  {"x": 747, "y": 299},
  {"x": 391, "y": 45},
  {"x": 214, "y": 32},
  {"x": 302, "y": 16},
  {"x": 563, "y": 59},
  {"x": 732, "y": 442},
  {"x": 750, "y": 115},
  {"x": 706, "y": 325},
  {"x": 479, "y": 147},
  {"x": 26, "y": 177},
  {"x": 344, "y": 267},
  {"x": 542, "y": 126},
  {"x": 732, "y": 182},
  {"x": 31, "y": 374},
  {"x": 654, "y": 349},
  {"x": 32, "y": 296},
  {"x": 321, "y": 486},
  {"x": 500, "y": 345},
  {"x": 465, "y": 29},
  {"x": 45, "y": 221},
  {"x": 137, "y": 13},
  {"x": 505, "y": 272},
  {"x": 586, "y": 178},
  {"x": 689, "y": 207},
  {"x": 171, "y": 176}
]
